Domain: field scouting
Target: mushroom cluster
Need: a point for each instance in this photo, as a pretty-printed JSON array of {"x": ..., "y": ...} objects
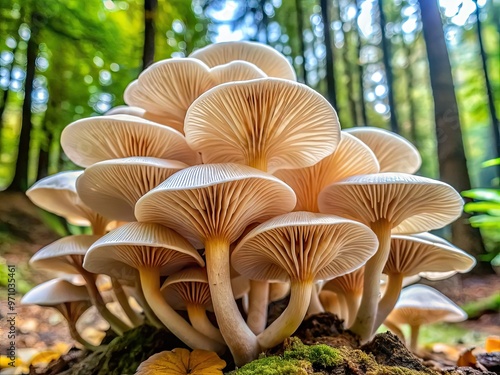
[{"x": 224, "y": 178}]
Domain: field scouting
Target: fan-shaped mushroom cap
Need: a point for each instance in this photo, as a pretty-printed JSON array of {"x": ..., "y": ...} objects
[
  {"x": 55, "y": 292},
  {"x": 187, "y": 286},
  {"x": 303, "y": 246},
  {"x": 126, "y": 110},
  {"x": 113, "y": 187},
  {"x": 421, "y": 304},
  {"x": 267, "y": 123},
  {"x": 349, "y": 284},
  {"x": 394, "y": 153},
  {"x": 236, "y": 71},
  {"x": 134, "y": 245},
  {"x": 411, "y": 255},
  {"x": 61, "y": 255},
  {"x": 215, "y": 199},
  {"x": 273, "y": 63},
  {"x": 352, "y": 157},
  {"x": 57, "y": 194},
  {"x": 96, "y": 139},
  {"x": 410, "y": 203},
  {"x": 168, "y": 88}
]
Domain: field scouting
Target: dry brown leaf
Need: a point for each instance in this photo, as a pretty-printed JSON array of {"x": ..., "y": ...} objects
[
  {"x": 492, "y": 344},
  {"x": 467, "y": 359},
  {"x": 181, "y": 362}
]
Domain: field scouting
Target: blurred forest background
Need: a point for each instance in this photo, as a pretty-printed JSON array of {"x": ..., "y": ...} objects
[{"x": 426, "y": 69}]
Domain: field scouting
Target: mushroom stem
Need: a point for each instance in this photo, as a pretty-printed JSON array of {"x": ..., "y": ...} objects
[
  {"x": 352, "y": 305},
  {"x": 343, "y": 312},
  {"x": 78, "y": 338},
  {"x": 99, "y": 224},
  {"x": 388, "y": 301},
  {"x": 258, "y": 162},
  {"x": 258, "y": 299},
  {"x": 239, "y": 338},
  {"x": 116, "y": 324},
  {"x": 330, "y": 304},
  {"x": 148, "y": 312},
  {"x": 122, "y": 299},
  {"x": 288, "y": 322},
  {"x": 395, "y": 329},
  {"x": 414, "y": 331},
  {"x": 315, "y": 306},
  {"x": 199, "y": 320},
  {"x": 367, "y": 312},
  {"x": 150, "y": 280}
]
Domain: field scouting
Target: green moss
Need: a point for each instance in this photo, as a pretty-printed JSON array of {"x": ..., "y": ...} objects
[
  {"x": 320, "y": 356},
  {"x": 274, "y": 365}
]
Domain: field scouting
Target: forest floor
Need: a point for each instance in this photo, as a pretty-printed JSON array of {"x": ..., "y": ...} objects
[{"x": 43, "y": 330}]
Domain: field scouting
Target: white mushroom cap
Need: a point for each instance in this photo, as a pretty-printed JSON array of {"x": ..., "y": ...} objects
[
  {"x": 267, "y": 123},
  {"x": 60, "y": 255},
  {"x": 113, "y": 187},
  {"x": 410, "y": 203},
  {"x": 134, "y": 245},
  {"x": 273, "y": 63},
  {"x": 236, "y": 71},
  {"x": 394, "y": 153},
  {"x": 303, "y": 246},
  {"x": 55, "y": 292},
  {"x": 421, "y": 304},
  {"x": 215, "y": 199},
  {"x": 95, "y": 139}
]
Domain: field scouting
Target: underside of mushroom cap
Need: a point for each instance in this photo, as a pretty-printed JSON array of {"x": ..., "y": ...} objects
[
  {"x": 187, "y": 286},
  {"x": 394, "y": 153},
  {"x": 236, "y": 71},
  {"x": 350, "y": 283},
  {"x": 96, "y": 139},
  {"x": 304, "y": 246},
  {"x": 275, "y": 123},
  {"x": 411, "y": 255},
  {"x": 352, "y": 157},
  {"x": 54, "y": 292},
  {"x": 113, "y": 187},
  {"x": 57, "y": 255},
  {"x": 410, "y": 203},
  {"x": 273, "y": 63},
  {"x": 215, "y": 199},
  {"x": 421, "y": 304},
  {"x": 134, "y": 245}
]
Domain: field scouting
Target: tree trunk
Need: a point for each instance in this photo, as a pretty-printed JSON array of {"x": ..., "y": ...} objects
[
  {"x": 302, "y": 42},
  {"x": 264, "y": 23},
  {"x": 412, "y": 110},
  {"x": 386, "y": 49},
  {"x": 451, "y": 154},
  {"x": 330, "y": 71},
  {"x": 148, "y": 54},
  {"x": 43, "y": 153},
  {"x": 489, "y": 90},
  {"x": 20, "y": 180},
  {"x": 362, "y": 104},
  {"x": 5, "y": 97},
  {"x": 351, "y": 89}
]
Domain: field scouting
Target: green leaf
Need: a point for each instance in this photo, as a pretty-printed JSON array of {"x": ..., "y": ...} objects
[
  {"x": 492, "y": 195},
  {"x": 485, "y": 221},
  {"x": 491, "y": 208},
  {"x": 491, "y": 163}
]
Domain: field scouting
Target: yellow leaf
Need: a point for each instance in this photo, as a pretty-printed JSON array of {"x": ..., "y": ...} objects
[
  {"x": 492, "y": 344},
  {"x": 44, "y": 357},
  {"x": 181, "y": 362},
  {"x": 4, "y": 362}
]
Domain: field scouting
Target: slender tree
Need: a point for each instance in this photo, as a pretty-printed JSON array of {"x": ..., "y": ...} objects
[
  {"x": 386, "y": 59},
  {"x": 302, "y": 43},
  {"x": 451, "y": 154},
  {"x": 148, "y": 55},
  {"x": 489, "y": 90},
  {"x": 410, "y": 101},
  {"x": 43, "y": 152},
  {"x": 348, "y": 72},
  {"x": 359, "y": 46},
  {"x": 330, "y": 71}
]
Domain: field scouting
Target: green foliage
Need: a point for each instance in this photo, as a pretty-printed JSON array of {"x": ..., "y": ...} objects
[
  {"x": 477, "y": 308},
  {"x": 320, "y": 356},
  {"x": 274, "y": 365}
]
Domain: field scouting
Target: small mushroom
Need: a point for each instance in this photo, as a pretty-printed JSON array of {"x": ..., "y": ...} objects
[
  {"x": 301, "y": 247},
  {"x": 421, "y": 304},
  {"x": 151, "y": 250},
  {"x": 394, "y": 153},
  {"x": 386, "y": 202},
  {"x": 113, "y": 187},
  {"x": 96, "y": 139},
  {"x": 273, "y": 63},
  {"x": 70, "y": 300}
]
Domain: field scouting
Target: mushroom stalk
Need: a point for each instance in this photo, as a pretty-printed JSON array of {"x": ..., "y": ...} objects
[
  {"x": 343, "y": 312},
  {"x": 330, "y": 304},
  {"x": 367, "y": 312},
  {"x": 414, "y": 331},
  {"x": 315, "y": 306},
  {"x": 148, "y": 312},
  {"x": 288, "y": 322},
  {"x": 258, "y": 162},
  {"x": 150, "y": 280},
  {"x": 239, "y": 338},
  {"x": 78, "y": 338},
  {"x": 198, "y": 318},
  {"x": 395, "y": 329},
  {"x": 122, "y": 299},
  {"x": 99, "y": 224},
  {"x": 390, "y": 298},
  {"x": 258, "y": 299},
  {"x": 352, "y": 305}
]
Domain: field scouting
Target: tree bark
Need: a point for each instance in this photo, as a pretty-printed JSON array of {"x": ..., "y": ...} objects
[
  {"x": 302, "y": 42},
  {"x": 451, "y": 155},
  {"x": 20, "y": 180},
  {"x": 412, "y": 111},
  {"x": 386, "y": 49},
  {"x": 43, "y": 153},
  {"x": 350, "y": 76},
  {"x": 359, "y": 45},
  {"x": 5, "y": 97},
  {"x": 489, "y": 91},
  {"x": 330, "y": 71},
  {"x": 148, "y": 54}
]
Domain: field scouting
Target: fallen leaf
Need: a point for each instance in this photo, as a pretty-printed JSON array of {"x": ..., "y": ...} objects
[
  {"x": 492, "y": 344},
  {"x": 181, "y": 362},
  {"x": 467, "y": 359}
]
